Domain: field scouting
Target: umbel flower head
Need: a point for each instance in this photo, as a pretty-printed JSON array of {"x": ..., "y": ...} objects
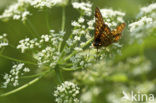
[
  {"x": 20, "y": 9},
  {"x": 145, "y": 25},
  {"x": 3, "y": 40},
  {"x": 15, "y": 73},
  {"x": 47, "y": 44},
  {"x": 67, "y": 92}
]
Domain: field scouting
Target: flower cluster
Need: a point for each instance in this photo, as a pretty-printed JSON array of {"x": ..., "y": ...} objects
[
  {"x": 81, "y": 60},
  {"x": 84, "y": 7},
  {"x": 49, "y": 45},
  {"x": 48, "y": 56},
  {"x": 147, "y": 21},
  {"x": 17, "y": 11},
  {"x": 134, "y": 66},
  {"x": 51, "y": 39},
  {"x": 67, "y": 92},
  {"x": 3, "y": 40},
  {"x": 27, "y": 44},
  {"x": 51, "y": 53},
  {"x": 20, "y": 10},
  {"x": 111, "y": 17},
  {"x": 139, "y": 25},
  {"x": 150, "y": 8},
  {"x": 15, "y": 73},
  {"x": 43, "y": 3}
]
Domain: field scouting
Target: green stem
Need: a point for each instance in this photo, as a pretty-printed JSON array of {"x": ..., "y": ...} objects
[
  {"x": 70, "y": 69},
  {"x": 62, "y": 25},
  {"x": 1, "y": 50},
  {"x": 22, "y": 87},
  {"x": 17, "y": 60},
  {"x": 57, "y": 70},
  {"x": 32, "y": 27},
  {"x": 28, "y": 29},
  {"x": 47, "y": 19},
  {"x": 59, "y": 75},
  {"x": 63, "y": 19},
  {"x": 26, "y": 85},
  {"x": 32, "y": 76}
]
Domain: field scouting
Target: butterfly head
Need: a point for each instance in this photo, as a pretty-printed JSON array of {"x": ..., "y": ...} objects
[{"x": 97, "y": 43}]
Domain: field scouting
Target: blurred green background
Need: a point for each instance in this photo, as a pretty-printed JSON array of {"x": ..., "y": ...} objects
[{"x": 41, "y": 92}]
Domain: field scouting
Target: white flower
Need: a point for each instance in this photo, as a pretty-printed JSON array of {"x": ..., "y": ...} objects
[
  {"x": 82, "y": 32},
  {"x": 136, "y": 26},
  {"x": 15, "y": 73},
  {"x": 82, "y": 43},
  {"x": 27, "y": 44},
  {"x": 69, "y": 42},
  {"x": 17, "y": 11},
  {"x": 90, "y": 24},
  {"x": 149, "y": 8},
  {"x": 67, "y": 50},
  {"x": 74, "y": 23},
  {"x": 120, "y": 19},
  {"x": 24, "y": 15},
  {"x": 26, "y": 69},
  {"x": 86, "y": 7},
  {"x": 42, "y": 3},
  {"x": 47, "y": 56},
  {"x": 52, "y": 38},
  {"x": 147, "y": 21},
  {"x": 78, "y": 49},
  {"x": 77, "y": 38},
  {"x": 109, "y": 15},
  {"x": 67, "y": 92},
  {"x": 75, "y": 31},
  {"x": 81, "y": 20},
  {"x": 3, "y": 40}
]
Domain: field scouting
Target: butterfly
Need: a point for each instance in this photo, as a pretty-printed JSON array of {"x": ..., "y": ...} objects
[{"x": 104, "y": 36}]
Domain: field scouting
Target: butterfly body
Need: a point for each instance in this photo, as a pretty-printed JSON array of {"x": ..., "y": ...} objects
[{"x": 103, "y": 34}]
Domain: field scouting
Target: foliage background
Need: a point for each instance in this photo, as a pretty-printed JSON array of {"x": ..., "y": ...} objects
[{"x": 41, "y": 92}]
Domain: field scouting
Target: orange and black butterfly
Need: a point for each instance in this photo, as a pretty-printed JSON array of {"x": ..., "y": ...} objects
[{"x": 104, "y": 36}]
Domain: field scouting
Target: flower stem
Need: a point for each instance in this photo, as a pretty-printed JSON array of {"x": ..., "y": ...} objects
[
  {"x": 62, "y": 25},
  {"x": 63, "y": 18},
  {"x": 32, "y": 27},
  {"x": 25, "y": 85},
  {"x": 17, "y": 60},
  {"x": 57, "y": 70},
  {"x": 47, "y": 20},
  {"x": 59, "y": 75},
  {"x": 20, "y": 88}
]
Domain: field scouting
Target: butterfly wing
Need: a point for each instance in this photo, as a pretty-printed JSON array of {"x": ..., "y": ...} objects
[
  {"x": 100, "y": 26},
  {"x": 117, "y": 32}
]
